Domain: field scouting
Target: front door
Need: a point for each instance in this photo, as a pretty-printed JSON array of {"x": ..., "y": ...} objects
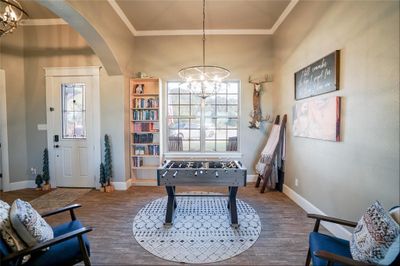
[{"x": 70, "y": 130}]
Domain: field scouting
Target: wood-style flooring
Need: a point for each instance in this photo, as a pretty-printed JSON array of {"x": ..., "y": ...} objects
[{"x": 283, "y": 240}]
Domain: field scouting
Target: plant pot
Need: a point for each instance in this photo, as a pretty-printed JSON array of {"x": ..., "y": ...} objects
[
  {"x": 109, "y": 188},
  {"x": 46, "y": 187}
]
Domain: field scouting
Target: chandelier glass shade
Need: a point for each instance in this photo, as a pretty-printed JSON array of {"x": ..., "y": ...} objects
[
  {"x": 11, "y": 13},
  {"x": 203, "y": 80}
]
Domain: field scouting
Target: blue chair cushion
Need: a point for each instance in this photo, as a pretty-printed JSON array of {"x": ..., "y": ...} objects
[
  {"x": 64, "y": 253},
  {"x": 4, "y": 251},
  {"x": 331, "y": 244}
]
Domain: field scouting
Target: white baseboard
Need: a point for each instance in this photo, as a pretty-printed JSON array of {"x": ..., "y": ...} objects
[
  {"x": 252, "y": 178},
  {"x": 122, "y": 185},
  {"x": 21, "y": 185},
  {"x": 335, "y": 229}
]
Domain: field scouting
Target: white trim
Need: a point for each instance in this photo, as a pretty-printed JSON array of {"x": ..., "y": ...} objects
[
  {"x": 122, "y": 16},
  {"x": 122, "y": 185},
  {"x": 22, "y": 185},
  {"x": 283, "y": 16},
  {"x": 95, "y": 144},
  {"x": 335, "y": 229},
  {"x": 188, "y": 32},
  {"x": 43, "y": 22},
  {"x": 200, "y": 32},
  {"x": 252, "y": 178},
  {"x": 4, "y": 133}
]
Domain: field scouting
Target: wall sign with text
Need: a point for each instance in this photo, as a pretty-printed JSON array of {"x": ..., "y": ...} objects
[{"x": 318, "y": 78}]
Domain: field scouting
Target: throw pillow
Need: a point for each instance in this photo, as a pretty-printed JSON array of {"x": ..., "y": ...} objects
[
  {"x": 374, "y": 234},
  {"x": 8, "y": 234},
  {"x": 28, "y": 223}
]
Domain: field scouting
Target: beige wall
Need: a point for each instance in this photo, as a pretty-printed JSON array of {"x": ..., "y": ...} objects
[
  {"x": 343, "y": 178},
  {"x": 52, "y": 46},
  {"x": 12, "y": 62},
  {"x": 243, "y": 55}
]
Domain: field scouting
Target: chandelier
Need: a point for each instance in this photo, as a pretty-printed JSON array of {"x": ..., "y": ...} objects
[
  {"x": 203, "y": 80},
  {"x": 11, "y": 13}
]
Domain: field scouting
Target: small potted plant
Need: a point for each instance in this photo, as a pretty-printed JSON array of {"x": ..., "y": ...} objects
[
  {"x": 38, "y": 182},
  {"x": 108, "y": 164},
  {"x": 103, "y": 180},
  {"x": 46, "y": 174}
]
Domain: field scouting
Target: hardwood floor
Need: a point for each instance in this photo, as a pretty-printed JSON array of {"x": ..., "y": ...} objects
[{"x": 283, "y": 240}]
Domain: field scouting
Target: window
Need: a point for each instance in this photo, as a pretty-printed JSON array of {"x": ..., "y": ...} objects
[
  {"x": 74, "y": 111},
  {"x": 209, "y": 126}
]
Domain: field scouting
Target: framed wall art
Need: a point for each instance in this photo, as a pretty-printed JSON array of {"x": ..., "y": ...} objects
[
  {"x": 318, "y": 78},
  {"x": 317, "y": 119}
]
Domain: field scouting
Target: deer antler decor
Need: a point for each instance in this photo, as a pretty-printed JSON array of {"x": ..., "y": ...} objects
[{"x": 255, "y": 114}]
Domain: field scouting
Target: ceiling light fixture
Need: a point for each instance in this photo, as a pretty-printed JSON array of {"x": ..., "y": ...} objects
[
  {"x": 11, "y": 13},
  {"x": 203, "y": 80}
]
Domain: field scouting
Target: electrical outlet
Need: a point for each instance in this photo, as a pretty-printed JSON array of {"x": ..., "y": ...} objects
[{"x": 296, "y": 182}]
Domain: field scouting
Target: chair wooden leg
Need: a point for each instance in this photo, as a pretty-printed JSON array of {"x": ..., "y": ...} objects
[
  {"x": 85, "y": 254},
  {"x": 308, "y": 260},
  {"x": 258, "y": 181}
]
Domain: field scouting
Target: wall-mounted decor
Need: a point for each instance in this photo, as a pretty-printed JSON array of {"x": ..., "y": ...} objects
[
  {"x": 317, "y": 119},
  {"x": 318, "y": 78},
  {"x": 255, "y": 114}
]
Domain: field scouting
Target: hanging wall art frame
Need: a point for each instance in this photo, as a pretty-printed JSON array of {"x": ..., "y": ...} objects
[{"x": 318, "y": 78}]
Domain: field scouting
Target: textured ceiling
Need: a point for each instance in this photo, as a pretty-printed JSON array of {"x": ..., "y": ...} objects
[{"x": 187, "y": 14}]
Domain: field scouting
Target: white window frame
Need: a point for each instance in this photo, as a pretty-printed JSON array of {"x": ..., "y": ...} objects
[{"x": 194, "y": 155}]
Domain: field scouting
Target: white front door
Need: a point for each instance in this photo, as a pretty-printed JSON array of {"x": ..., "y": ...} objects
[{"x": 71, "y": 130}]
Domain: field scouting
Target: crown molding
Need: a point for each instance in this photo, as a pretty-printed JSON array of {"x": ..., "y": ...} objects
[{"x": 187, "y": 32}]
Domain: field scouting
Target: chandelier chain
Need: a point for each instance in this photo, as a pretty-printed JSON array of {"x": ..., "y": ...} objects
[{"x": 204, "y": 32}]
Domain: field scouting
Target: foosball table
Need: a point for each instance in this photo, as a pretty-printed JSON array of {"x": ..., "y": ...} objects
[{"x": 230, "y": 174}]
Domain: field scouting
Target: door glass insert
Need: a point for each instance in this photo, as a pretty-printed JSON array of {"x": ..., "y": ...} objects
[{"x": 73, "y": 110}]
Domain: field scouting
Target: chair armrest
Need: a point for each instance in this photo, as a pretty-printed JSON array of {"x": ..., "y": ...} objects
[
  {"x": 67, "y": 208},
  {"x": 339, "y": 259},
  {"x": 332, "y": 220},
  {"x": 48, "y": 243}
]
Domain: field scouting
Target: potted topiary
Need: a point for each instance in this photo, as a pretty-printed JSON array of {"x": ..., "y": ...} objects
[
  {"x": 38, "y": 182},
  {"x": 103, "y": 180},
  {"x": 46, "y": 174},
  {"x": 107, "y": 164}
]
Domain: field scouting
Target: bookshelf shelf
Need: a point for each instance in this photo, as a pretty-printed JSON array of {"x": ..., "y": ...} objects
[{"x": 145, "y": 127}]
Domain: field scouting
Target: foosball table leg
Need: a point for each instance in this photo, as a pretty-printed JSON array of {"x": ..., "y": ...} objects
[
  {"x": 171, "y": 205},
  {"x": 232, "y": 206}
]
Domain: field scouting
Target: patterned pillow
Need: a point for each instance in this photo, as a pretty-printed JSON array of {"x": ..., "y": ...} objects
[
  {"x": 374, "y": 234},
  {"x": 28, "y": 223},
  {"x": 8, "y": 234}
]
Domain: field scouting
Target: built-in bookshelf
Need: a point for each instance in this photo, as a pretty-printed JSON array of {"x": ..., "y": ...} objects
[{"x": 145, "y": 130}]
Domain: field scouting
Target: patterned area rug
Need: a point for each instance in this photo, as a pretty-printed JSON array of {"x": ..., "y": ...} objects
[
  {"x": 57, "y": 198},
  {"x": 201, "y": 231}
]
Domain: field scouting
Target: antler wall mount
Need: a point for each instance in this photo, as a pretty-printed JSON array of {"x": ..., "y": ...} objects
[{"x": 255, "y": 114}]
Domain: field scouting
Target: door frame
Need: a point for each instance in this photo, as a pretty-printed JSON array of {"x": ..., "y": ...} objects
[
  {"x": 94, "y": 149},
  {"x": 4, "y": 133}
]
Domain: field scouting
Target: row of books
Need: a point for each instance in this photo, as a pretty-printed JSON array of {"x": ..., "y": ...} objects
[
  {"x": 143, "y": 138},
  {"x": 137, "y": 161},
  {"x": 145, "y": 127},
  {"x": 146, "y": 103},
  {"x": 145, "y": 115},
  {"x": 147, "y": 150}
]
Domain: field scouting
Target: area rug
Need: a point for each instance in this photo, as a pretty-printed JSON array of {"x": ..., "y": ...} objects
[
  {"x": 57, "y": 198},
  {"x": 201, "y": 231}
]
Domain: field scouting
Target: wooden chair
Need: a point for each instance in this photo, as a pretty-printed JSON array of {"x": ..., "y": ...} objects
[
  {"x": 269, "y": 167},
  {"x": 329, "y": 250},
  {"x": 68, "y": 247}
]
